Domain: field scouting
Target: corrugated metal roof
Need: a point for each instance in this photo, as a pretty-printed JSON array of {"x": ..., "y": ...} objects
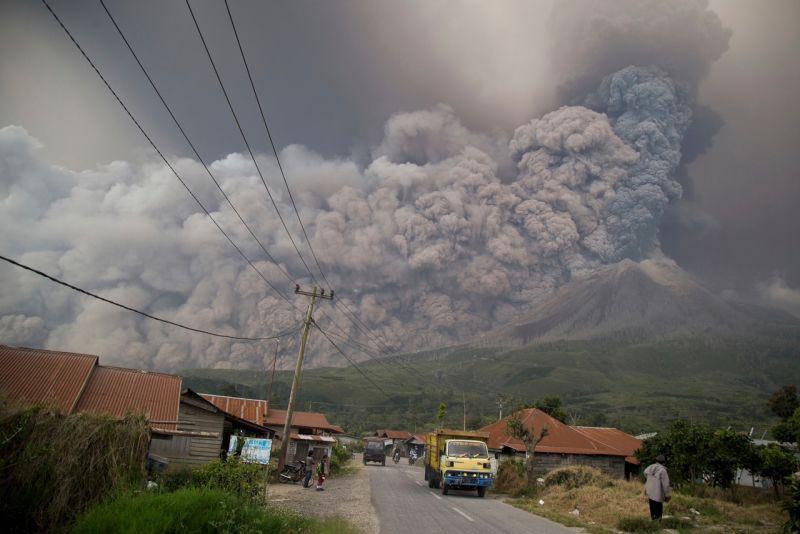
[
  {"x": 116, "y": 391},
  {"x": 44, "y": 377},
  {"x": 393, "y": 434},
  {"x": 255, "y": 410},
  {"x": 613, "y": 439},
  {"x": 252, "y": 410},
  {"x": 561, "y": 438}
]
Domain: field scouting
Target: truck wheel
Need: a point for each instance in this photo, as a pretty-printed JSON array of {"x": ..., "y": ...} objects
[
  {"x": 481, "y": 491},
  {"x": 431, "y": 483},
  {"x": 445, "y": 488},
  {"x": 383, "y": 462},
  {"x": 365, "y": 461}
]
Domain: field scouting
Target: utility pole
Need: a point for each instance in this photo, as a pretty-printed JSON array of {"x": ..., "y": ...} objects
[
  {"x": 500, "y": 405},
  {"x": 272, "y": 376},
  {"x": 287, "y": 426},
  {"x": 464, "y": 399}
]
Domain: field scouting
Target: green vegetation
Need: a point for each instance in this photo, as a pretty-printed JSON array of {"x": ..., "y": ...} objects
[
  {"x": 233, "y": 476},
  {"x": 196, "y": 510},
  {"x": 53, "y": 467},
  {"x": 635, "y": 387}
]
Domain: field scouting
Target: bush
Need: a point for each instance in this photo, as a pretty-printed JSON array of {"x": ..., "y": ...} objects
[
  {"x": 54, "y": 467},
  {"x": 194, "y": 510},
  {"x": 575, "y": 477},
  {"x": 510, "y": 477},
  {"x": 792, "y": 504},
  {"x": 638, "y": 524},
  {"x": 339, "y": 457},
  {"x": 233, "y": 476}
]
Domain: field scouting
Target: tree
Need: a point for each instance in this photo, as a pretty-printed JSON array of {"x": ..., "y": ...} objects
[
  {"x": 686, "y": 447},
  {"x": 728, "y": 451},
  {"x": 552, "y": 406},
  {"x": 776, "y": 464},
  {"x": 440, "y": 414},
  {"x": 530, "y": 438},
  {"x": 784, "y": 402}
]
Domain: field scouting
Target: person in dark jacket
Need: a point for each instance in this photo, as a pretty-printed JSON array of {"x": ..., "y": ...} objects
[
  {"x": 656, "y": 487},
  {"x": 309, "y": 469}
]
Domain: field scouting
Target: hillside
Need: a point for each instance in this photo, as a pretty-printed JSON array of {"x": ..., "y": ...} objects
[{"x": 634, "y": 345}]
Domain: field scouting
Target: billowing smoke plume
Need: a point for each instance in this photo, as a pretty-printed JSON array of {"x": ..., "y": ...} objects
[{"x": 429, "y": 244}]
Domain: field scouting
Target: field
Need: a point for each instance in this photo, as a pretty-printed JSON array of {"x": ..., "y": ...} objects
[{"x": 636, "y": 388}]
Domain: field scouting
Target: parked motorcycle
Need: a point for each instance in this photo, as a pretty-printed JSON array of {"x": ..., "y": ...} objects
[{"x": 293, "y": 472}]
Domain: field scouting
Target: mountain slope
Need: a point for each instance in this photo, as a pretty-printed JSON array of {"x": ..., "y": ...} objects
[{"x": 635, "y": 302}]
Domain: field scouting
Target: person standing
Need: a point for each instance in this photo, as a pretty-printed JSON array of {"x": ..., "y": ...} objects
[
  {"x": 656, "y": 487},
  {"x": 309, "y": 469},
  {"x": 321, "y": 472}
]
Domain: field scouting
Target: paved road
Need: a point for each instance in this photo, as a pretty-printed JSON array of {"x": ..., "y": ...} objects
[{"x": 405, "y": 504}]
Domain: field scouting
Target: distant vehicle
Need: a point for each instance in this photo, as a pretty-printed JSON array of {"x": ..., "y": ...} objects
[
  {"x": 374, "y": 451},
  {"x": 458, "y": 460}
]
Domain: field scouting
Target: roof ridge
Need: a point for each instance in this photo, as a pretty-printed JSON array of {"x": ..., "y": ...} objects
[
  {"x": 238, "y": 398},
  {"x": 63, "y": 352},
  {"x": 138, "y": 371}
]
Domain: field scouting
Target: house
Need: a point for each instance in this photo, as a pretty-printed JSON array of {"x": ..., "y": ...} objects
[
  {"x": 185, "y": 430},
  {"x": 203, "y": 433},
  {"x": 393, "y": 438},
  {"x": 417, "y": 443},
  {"x": 607, "y": 449},
  {"x": 310, "y": 431}
]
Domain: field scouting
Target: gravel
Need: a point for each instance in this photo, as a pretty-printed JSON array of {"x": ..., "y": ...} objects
[{"x": 348, "y": 497}]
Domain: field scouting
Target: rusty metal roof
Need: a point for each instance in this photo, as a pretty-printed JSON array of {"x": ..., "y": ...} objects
[
  {"x": 561, "y": 438},
  {"x": 393, "y": 434},
  {"x": 302, "y": 420},
  {"x": 252, "y": 410},
  {"x": 117, "y": 391},
  {"x": 34, "y": 376}
]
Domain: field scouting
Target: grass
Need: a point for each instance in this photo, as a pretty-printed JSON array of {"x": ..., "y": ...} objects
[
  {"x": 606, "y": 504},
  {"x": 196, "y": 510}
]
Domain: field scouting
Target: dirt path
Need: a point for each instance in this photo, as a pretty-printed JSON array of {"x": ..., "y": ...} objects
[{"x": 348, "y": 497}]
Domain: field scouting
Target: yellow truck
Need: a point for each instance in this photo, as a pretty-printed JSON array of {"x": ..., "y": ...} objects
[{"x": 456, "y": 459}]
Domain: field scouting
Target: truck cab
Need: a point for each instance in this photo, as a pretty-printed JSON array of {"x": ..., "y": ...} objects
[{"x": 458, "y": 460}]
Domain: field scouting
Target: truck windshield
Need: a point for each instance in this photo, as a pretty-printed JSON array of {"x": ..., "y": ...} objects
[
  {"x": 374, "y": 446},
  {"x": 467, "y": 449}
]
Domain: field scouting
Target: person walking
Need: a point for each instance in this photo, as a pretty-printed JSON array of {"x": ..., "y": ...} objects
[
  {"x": 656, "y": 487},
  {"x": 309, "y": 469},
  {"x": 321, "y": 472}
]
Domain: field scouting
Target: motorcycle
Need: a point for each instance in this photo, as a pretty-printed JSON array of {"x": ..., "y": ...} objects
[
  {"x": 293, "y": 472},
  {"x": 412, "y": 457},
  {"x": 396, "y": 457}
]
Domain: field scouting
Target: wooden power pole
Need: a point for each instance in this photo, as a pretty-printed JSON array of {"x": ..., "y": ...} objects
[
  {"x": 272, "y": 375},
  {"x": 314, "y": 294}
]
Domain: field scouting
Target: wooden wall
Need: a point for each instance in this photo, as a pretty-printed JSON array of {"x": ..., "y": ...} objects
[{"x": 187, "y": 451}]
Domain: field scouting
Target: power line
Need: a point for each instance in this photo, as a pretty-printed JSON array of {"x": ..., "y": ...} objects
[
  {"x": 272, "y": 144},
  {"x": 346, "y": 357},
  {"x": 134, "y": 310},
  {"x": 244, "y": 138},
  {"x": 189, "y": 142},
  {"x": 161, "y": 154}
]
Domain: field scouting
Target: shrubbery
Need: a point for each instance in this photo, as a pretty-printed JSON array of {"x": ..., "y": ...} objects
[
  {"x": 510, "y": 477},
  {"x": 195, "y": 510},
  {"x": 234, "y": 476},
  {"x": 53, "y": 467},
  {"x": 339, "y": 457},
  {"x": 575, "y": 477}
]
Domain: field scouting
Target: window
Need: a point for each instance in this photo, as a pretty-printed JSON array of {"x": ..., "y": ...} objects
[{"x": 467, "y": 449}]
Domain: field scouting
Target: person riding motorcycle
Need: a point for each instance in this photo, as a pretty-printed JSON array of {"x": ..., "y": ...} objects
[{"x": 396, "y": 455}]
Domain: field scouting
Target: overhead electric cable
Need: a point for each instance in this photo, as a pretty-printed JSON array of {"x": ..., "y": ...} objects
[
  {"x": 244, "y": 138},
  {"x": 161, "y": 154},
  {"x": 346, "y": 357},
  {"x": 189, "y": 142},
  {"x": 134, "y": 310},
  {"x": 272, "y": 144}
]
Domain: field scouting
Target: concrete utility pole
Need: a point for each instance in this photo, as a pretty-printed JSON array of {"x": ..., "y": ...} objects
[
  {"x": 272, "y": 376},
  {"x": 464, "y": 399},
  {"x": 287, "y": 426}
]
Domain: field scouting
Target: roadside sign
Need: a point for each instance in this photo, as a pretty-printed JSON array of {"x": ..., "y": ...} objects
[{"x": 255, "y": 450}]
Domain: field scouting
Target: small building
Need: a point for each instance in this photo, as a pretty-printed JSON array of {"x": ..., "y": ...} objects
[
  {"x": 392, "y": 439},
  {"x": 203, "y": 434},
  {"x": 310, "y": 431},
  {"x": 185, "y": 429},
  {"x": 608, "y": 449},
  {"x": 417, "y": 443}
]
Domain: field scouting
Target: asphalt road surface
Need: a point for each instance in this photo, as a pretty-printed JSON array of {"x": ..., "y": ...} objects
[{"x": 404, "y": 503}]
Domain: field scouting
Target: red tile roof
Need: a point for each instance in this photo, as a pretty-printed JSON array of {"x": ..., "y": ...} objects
[
  {"x": 562, "y": 438},
  {"x": 393, "y": 434},
  {"x": 116, "y": 391},
  {"x": 44, "y": 377},
  {"x": 255, "y": 410}
]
